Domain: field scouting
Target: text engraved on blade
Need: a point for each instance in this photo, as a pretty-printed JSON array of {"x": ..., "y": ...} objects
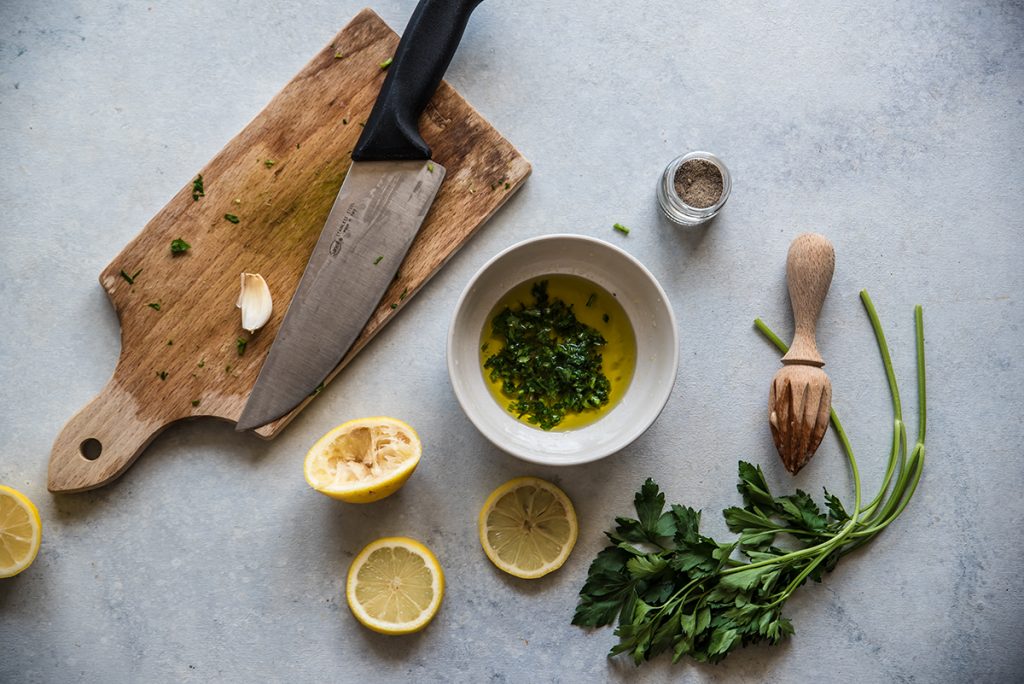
[{"x": 343, "y": 230}]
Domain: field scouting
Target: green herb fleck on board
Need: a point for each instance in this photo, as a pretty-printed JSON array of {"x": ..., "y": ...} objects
[
  {"x": 162, "y": 375},
  {"x": 197, "y": 188},
  {"x": 344, "y": 122},
  {"x": 269, "y": 162},
  {"x": 231, "y": 217},
  {"x": 317, "y": 390},
  {"x": 378, "y": 260},
  {"x": 338, "y": 55},
  {"x": 170, "y": 343},
  {"x": 386, "y": 63},
  {"x": 179, "y": 246},
  {"x": 507, "y": 186},
  {"x": 621, "y": 228},
  {"x": 240, "y": 345},
  {"x": 227, "y": 368},
  {"x": 394, "y": 306},
  {"x": 404, "y": 293},
  {"x": 195, "y": 402},
  {"x": 130, "y": 278},
  {"x": 202, "y": 362},
  {"x": 155, "y": 306}
]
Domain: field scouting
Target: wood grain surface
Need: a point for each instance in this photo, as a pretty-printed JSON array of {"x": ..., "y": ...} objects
[{"x": 180, "y": 330}]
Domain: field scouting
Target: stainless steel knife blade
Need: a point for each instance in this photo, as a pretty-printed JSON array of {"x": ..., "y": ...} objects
[{"x": 374, "y": 220}]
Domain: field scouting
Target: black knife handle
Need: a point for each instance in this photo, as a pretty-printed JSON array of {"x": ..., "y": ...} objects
[{"x": 426, "y": 49}]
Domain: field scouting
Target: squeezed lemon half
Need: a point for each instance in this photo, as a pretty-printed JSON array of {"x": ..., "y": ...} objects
[
  {"x": 395, "y": 586},
  {"x": 21, "y": 531},
  {"x": 528, "y": 527},
  {"x": 363, "y": 460}
]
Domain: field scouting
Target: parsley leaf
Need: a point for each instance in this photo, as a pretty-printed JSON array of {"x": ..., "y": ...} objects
[{"x": 179, "y": 246}]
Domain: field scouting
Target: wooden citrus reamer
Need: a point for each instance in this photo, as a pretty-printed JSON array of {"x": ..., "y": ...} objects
[{"x": 801, "y": 394}]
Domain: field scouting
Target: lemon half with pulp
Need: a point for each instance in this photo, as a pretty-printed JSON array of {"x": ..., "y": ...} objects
[
  {"x": 21, "y": 531},
  {"x": 528, "y": 527},
  {"x": 363, "y": 460},
  {"x": 395, "y": 586}
]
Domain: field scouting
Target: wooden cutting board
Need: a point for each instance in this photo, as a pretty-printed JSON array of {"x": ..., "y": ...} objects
[{"x": 180, "y": 329}]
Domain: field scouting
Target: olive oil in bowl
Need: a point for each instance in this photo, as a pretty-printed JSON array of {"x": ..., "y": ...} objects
[{"x": 557, "y": 352}]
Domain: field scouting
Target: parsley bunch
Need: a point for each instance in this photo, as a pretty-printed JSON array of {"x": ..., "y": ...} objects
[
  {"x": 671, "y": 588},
  {"x": 550, "y": 363}
]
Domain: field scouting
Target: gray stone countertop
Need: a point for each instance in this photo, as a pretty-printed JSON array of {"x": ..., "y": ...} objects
[{"x": 897, "y": 129}]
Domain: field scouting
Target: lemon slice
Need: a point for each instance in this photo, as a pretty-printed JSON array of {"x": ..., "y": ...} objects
[
  {"x": 21, "y": 530},
  {"x": 528, "y": 527},
  {"x": 363, "y": 460},
  {"x": 395, "y": 586}
]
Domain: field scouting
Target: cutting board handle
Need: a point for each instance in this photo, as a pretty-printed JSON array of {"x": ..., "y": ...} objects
[
  {"x": 102, "y": 439},
  {"x": 427, "y": 47}
]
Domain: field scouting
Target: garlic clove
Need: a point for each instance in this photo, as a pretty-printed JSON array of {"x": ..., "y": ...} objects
[{"x": 255, "y": 302}]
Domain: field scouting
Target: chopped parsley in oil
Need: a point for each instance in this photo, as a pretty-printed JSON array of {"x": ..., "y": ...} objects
[
  {"x": 550, "y": 364},
  {"x": 179, "y": 246}
]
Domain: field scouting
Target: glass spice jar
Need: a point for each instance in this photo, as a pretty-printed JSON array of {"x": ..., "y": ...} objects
[{"x": 675, "y": 184}]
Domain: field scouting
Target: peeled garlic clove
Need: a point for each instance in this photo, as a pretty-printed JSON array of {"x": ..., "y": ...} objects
[{"x": 255, "y": 302}]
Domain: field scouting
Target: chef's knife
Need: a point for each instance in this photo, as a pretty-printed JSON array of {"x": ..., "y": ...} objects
[{"x": 380, "y": 207}]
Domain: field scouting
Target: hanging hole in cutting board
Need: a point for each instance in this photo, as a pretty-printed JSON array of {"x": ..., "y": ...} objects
[{"x": 90, "y": 449}]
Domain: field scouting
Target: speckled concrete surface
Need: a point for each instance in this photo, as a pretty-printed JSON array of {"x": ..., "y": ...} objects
[{"x": 895, "y": 128}]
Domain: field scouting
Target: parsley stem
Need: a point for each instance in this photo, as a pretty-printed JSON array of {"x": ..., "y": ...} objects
[
  {"x": 922, "y": 402},
  {"x": 910, "y": 470}
]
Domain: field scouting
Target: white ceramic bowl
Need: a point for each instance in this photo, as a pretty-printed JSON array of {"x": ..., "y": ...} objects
[{"x": 649, "y": 313}]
